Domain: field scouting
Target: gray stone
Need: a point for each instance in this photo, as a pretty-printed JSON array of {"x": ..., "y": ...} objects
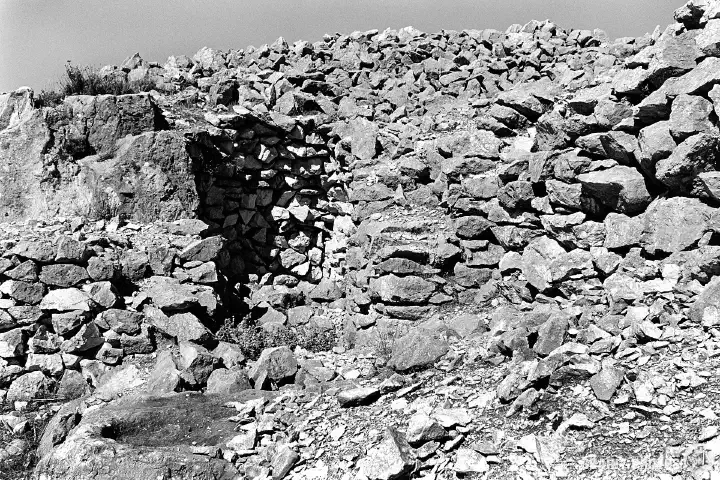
[
  {"x": 423, "y": 428},
  {"x": 67, "y": 299},
  {"x": 389, "y": 460},
  {"x": 656, "y": 143},
  {"x": 70, "y": 250},
  {"x": 551, "y": 334},
  {"x": 278, "y": 363},
  {"x": 674, "y": 224},
  {"x": 134, "y": 264},
  {"x": 283, "y": 461},
  {"x": 352, "y": 397},
  {"x": 224, "y": 380},
  {"x": 12, "y": 343},
  {"x": 63, "y": 274},
  {"x": 196, "y": 362},
  {"x": 182, "y": 326},
  {"x": 26, "y": 272},
  {"x": 696, "y": 154},
  {"x": 230, "y": 354},
  {"x": 620, "y": 188},
  {"x": 169, "y": 294},
  {"x": 102, "y": 293},
  {"x": 165, "y": 376},
  {"x": 29, "y": 387},
  {"x": 29, "y": 293},
  {"x": 469, "y": 461},
  {"x": 120, "y": 321},
  {"x": 606, "y": 382},
  {"x": 622, "y": 231},
  {"x": 471, "y": 227},
  {"x": 101, "y": 269},
  {"x": 67, "y": 322},
  {"x": 394, "y": 289},
  {"x": 39, "y": 251},
  {"x": 419, "y": 348},
  {"x": 202, "y": 250},
  {"x": 690, "y": 115},
  {"x": 87, "y": 338}
]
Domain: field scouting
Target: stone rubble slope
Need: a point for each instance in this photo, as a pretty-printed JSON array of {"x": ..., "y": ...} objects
[{"x": 537, "y": 205}]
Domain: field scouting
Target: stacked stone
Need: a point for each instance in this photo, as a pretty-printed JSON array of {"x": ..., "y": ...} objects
[
  {"x": 75, "y": 300},
  {"x": 266, "y": 190}
]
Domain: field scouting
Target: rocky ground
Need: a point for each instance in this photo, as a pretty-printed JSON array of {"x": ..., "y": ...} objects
[{"x": 382, "y": 255}]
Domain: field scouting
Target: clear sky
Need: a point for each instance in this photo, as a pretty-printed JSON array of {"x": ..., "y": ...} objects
[{"x": 37, "y": 37}]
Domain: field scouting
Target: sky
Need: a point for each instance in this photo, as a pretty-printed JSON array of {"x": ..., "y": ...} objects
[{"x": 37, "y": 37}]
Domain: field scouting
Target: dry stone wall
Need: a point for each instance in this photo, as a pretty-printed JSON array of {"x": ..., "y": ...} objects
[
  {"x": 77, "y": 299},
  {"x": 393, "y": 175}
]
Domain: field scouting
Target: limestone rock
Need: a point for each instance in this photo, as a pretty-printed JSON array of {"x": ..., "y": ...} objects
[
  {"x": 620, "y": 188},
  {"x": 67, "y": 299},
  {"x": 278, "y": 363},
  {"x": 674, "y": 224},
  {"x": 394, "y": 289},
  {"x": 696, "y": 154},
  {"x": 418, "y": 348},
  {"x": 389, "y": 460}
]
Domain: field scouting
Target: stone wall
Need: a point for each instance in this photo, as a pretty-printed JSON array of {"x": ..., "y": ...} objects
[
  {"x": 77, "y": 299},
  {"x": 392, "y": 174}
]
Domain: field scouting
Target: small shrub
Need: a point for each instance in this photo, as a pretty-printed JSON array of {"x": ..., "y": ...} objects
[
  {"x": 20, "y": 466},
  {"x": 385, "y": 340},
  {"x": 88, "y": 81},
  {"x": 253, "y": 339}
]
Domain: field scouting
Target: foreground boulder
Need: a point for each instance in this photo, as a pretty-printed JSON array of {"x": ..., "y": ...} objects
[
  {"x": 145, "y": 437},
  {"x": 419, "y": 348}
]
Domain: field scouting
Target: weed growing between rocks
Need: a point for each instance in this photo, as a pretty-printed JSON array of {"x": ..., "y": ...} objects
[
  {"x": 253, "y": 339},
  {"x": 19, "y": 439},
  {"x": 88, "y": 81}
]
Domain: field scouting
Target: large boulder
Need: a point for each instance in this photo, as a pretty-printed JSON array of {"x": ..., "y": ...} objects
[
  {"x": 545, "y": 262},
  {"x": 691, "y": 115},
  {"x": 674, "y": 224},
  {"x": 145, "y": 437},
  {"x": 394, "y": 289},
  {"x": 149, "y": 177},
  {"x": 391, "y": 459},
  {"x": 25, "y": 137},
  {"x": 620, "y": 188},
  {"x": 693, "y": 156},
  {"x": 417, "y": 349}
]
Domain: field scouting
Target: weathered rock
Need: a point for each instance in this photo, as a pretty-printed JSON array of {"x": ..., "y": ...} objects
[
  {"x": 169, "y": 294},
  {"x": 63, "y": 275},
  {"x": 224, "y": 380},
  {"x": 29, "y": 387},
  {"x": 67, "y": 299},
  {"x": 423, "y": 428},
  {"x": 606, "y": 382},
  {"x": 696, "y": 154},
  {"x": 622, "y": 231},
  {"x": 202, "y": 250},
  {"x": 277, "y": 363},
  {"x": 389, "y": 460},
  {"x": 620, "y": 188},
  {"x": 674, "y": 224},
  {"x": 183, "y": 326},
  {"x": 545, "y": 262},
  {"x": 357, "y": 396},
  {"x": 418, "y": 348},
  {"x": 86, "y": 450},
  {"x": 410, "y": 289},
  {"x": 12, "y": 343},
  {"x": 690, "y": 116},
  {"x": 470, "y": 461}
]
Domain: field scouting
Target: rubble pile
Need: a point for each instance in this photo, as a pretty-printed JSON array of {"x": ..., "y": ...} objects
[{"x": 539, "y": 205}]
